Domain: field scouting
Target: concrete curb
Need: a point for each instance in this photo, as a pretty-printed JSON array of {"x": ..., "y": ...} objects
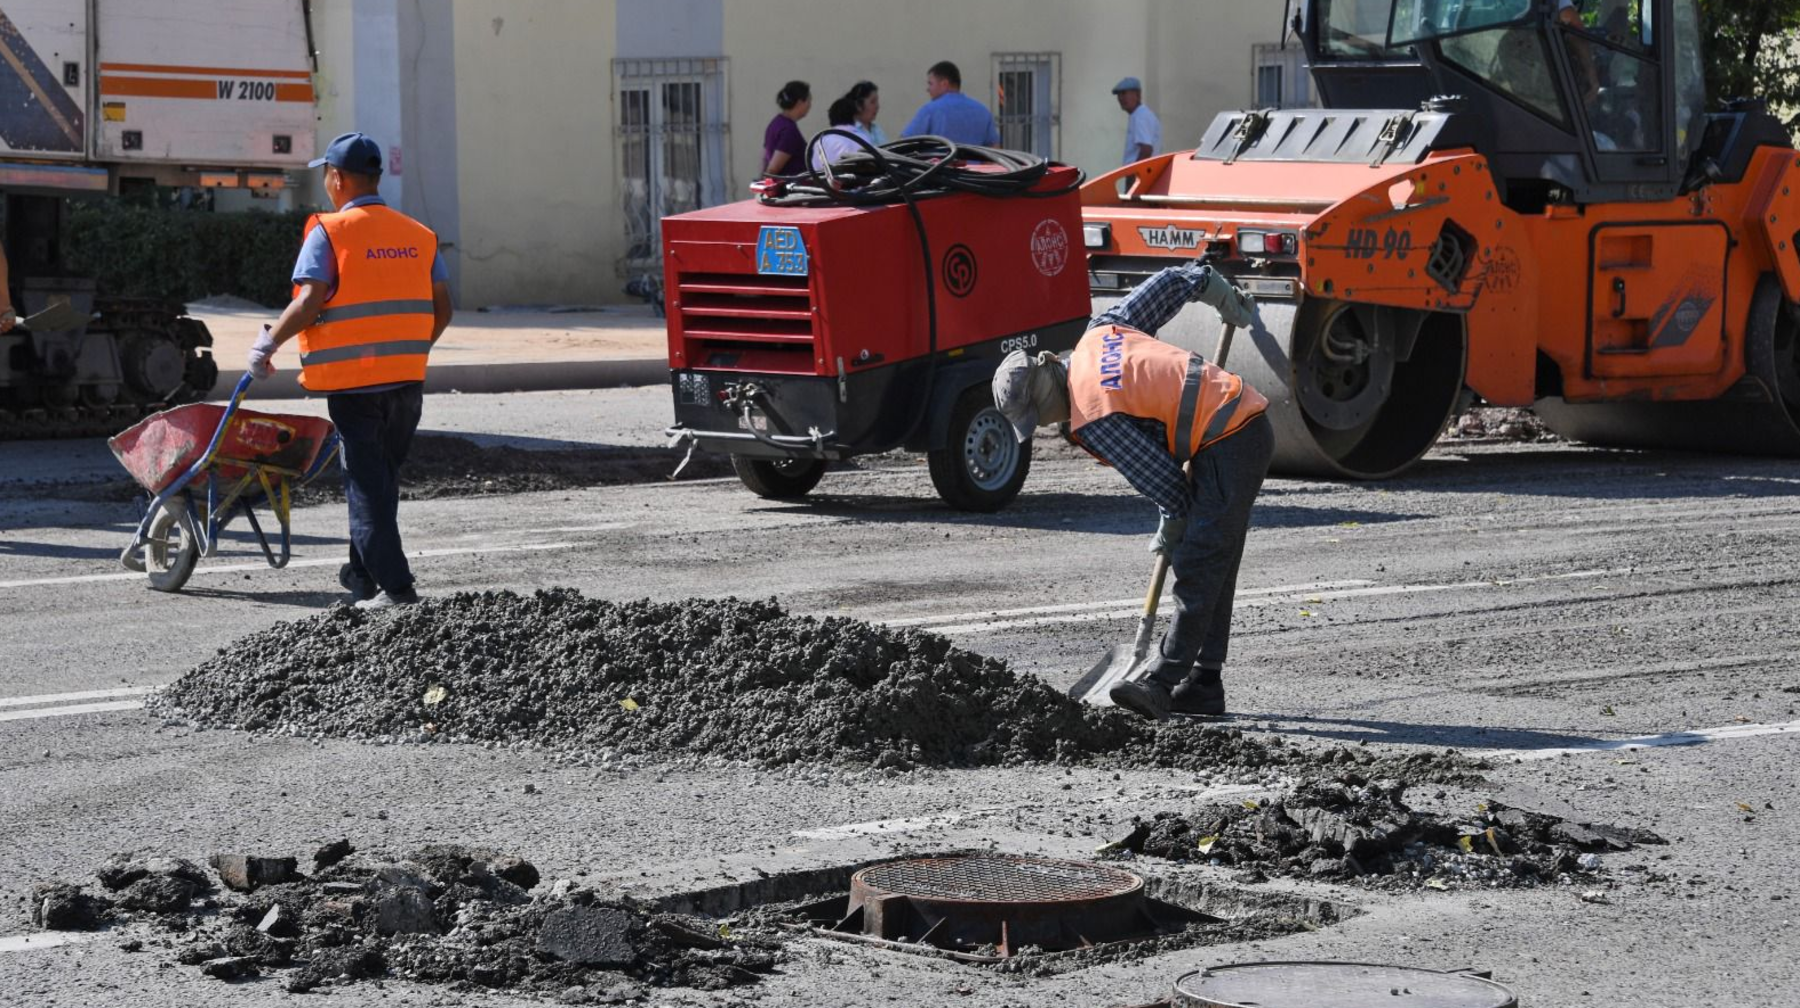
[{"x": 545, "y": 376}]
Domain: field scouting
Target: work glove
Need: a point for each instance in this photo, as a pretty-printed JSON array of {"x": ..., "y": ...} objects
[
  {"x": 1235, "y": 307},
  {"x": 259, "y": 364},
  {"x": 1168, "y": 535}
]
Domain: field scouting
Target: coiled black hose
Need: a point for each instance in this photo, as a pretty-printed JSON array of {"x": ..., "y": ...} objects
[{"x": 906, "y": 171}]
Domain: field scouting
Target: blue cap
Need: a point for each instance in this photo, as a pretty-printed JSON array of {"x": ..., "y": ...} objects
[
  {"x": 1128, "y": 84},
  {"x": 353, "y": 152}
]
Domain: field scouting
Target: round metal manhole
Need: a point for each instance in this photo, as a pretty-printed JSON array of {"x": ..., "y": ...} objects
[
  {"x": 998, "y": 879},
  {"x": 998, "y": 906},
  {"x": 1335, "y": 985}
]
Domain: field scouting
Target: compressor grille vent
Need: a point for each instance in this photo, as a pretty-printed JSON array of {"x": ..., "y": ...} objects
[{"x": 757, "y": 309}]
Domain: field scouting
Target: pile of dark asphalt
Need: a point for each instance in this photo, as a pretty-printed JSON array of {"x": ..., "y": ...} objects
[
  {"x": 446, "y": 914},
  {"x": 733, "y": 680},
  {"x": 1354, "y": 829}
]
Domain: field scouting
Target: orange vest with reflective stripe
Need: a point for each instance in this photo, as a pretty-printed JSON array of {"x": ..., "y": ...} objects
[
  {"x": 1120, "y": 370},
  {"x": 375, "y": 329}
]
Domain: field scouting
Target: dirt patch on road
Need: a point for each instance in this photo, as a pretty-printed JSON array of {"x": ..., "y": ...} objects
[
  {"x": 446, "y": 914},
  {"x": 721, "y": 679},
  {"x": 1354, "y": 829}
]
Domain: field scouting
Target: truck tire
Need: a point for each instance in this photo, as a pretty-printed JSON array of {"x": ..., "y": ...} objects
[
  {"x": 779, "y": 479},
  {"x": 982, "y": 464},
  {"x": 171, "y": 546}
]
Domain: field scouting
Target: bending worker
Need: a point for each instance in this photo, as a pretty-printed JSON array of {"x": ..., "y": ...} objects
[
  {"x": 1146, "y": 408},
  {"x": 371, "y": 296}
]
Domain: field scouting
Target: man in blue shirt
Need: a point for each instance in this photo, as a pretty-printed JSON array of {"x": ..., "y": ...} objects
[{"x": 950, "y": 113}]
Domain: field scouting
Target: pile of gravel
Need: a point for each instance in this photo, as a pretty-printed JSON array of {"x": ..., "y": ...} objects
[
  {"x": 445, "y": 914},
  {"x": 1351, "y": 828},
  {"x": 725, "y": 679}
]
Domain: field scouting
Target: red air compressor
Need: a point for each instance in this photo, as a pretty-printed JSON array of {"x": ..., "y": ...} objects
[{"x": 866, "y": 311}]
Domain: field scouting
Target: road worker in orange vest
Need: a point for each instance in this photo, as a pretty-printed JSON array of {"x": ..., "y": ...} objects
[
  {"x": 371, "y": 296},
  {"x": 1147, "y": 409}
]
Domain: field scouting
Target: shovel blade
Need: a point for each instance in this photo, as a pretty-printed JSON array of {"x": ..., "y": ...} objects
[
  {"x": 1117, "y": 665},
  {"x": 54, "y": 318}
]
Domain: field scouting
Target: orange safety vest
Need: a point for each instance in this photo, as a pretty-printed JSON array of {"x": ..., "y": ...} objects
[
  {"x": 375, "y": 329},
  {"x": 1120, "y": 370}
]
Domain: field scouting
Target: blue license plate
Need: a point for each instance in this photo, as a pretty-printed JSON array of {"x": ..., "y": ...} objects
[{"x": 780, "y": 252}]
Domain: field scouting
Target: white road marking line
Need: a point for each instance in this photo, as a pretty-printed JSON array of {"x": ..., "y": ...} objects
[
  {"x": 292, "y": 564},
  {"x": 1695, "y": 736},
  {"x": 909, "y": 621},
  {"x": 42, "y": 940},
  {"x": 92, "y": 708},
  {"x": 1251, "y": 600},
  {"x": 51, "y": 698}
]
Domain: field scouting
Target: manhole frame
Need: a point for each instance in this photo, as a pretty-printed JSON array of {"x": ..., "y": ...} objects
[{"x": 798, "y": 901}]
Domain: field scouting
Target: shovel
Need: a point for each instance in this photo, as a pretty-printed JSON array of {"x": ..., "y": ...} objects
[{"x": 1120, "y": 664}]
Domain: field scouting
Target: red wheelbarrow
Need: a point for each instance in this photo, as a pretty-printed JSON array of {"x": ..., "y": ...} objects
[{"x": 247, "y": 458}]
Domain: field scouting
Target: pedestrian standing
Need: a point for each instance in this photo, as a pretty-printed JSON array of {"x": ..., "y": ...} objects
[
  {"x": 371, "y": 297},
  {"x": 832, "y": 146},
  {"x": 1147, "y": 408},
  {"x": 784, "y": 147},
  {"x": 867, "y": 99},
  {"x": 950, "y": 113},
  {"x": 1143, "y": 131}
]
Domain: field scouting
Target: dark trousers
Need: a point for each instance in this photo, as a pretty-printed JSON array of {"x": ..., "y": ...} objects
[
  {"x": 377, "y": 431},
  {"x": 1227, "y": 477}
]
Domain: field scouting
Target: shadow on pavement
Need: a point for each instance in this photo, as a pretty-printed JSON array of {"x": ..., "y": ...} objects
[
  {"x": 1107, "y": 514},
  {"x": 1345, "y": 729}
]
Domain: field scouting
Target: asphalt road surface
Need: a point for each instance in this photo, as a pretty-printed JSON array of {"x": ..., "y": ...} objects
[{"x": 1532, "y": 604}]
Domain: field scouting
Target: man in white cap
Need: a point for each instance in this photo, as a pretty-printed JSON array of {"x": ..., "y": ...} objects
[
  {"x": 1143, "y": 132},
  {"x": 1148, "y": 408}
]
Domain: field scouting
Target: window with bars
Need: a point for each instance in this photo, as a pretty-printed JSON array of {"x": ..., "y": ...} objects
[
  {"x": 1281, "y": 77},
  {"x": 1027, "y": 101},
  {"x": 672, "y": 134}
]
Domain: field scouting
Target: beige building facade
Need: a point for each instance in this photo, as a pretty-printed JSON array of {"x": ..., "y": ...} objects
[{"x": 542, "y": 139}]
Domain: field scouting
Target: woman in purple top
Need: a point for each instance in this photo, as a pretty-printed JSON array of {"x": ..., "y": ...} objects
[{"x": 782, "y": 142}]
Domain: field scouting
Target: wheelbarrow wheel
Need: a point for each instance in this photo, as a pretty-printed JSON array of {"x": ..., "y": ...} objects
[
  {"x": 171, "y": 546},
  {"x": 779, "y": 479}
]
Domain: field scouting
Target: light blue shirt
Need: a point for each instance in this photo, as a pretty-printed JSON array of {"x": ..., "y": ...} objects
[
  {"x": 871, "y": 133},
  {"x": 957, "y": 117},
  {"x": 317, "y": 263}
]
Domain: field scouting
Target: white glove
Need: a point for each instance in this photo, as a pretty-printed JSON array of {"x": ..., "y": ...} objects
[
  {"x": 1235, "y": 307},
  {"x": 259, "y": 364}
]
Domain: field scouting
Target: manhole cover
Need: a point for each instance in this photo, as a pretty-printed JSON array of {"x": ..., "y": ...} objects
[
  {"x": 996, "y": 904},
  {"x": 1335, "y": 985},
  {"x": 997, "y": 878}
]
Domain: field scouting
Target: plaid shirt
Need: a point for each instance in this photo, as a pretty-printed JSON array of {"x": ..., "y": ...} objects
[{"x": 1136, "y": 446}]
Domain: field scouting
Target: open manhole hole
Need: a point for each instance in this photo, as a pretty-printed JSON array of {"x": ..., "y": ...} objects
[{"x": 1011, "y": 913}]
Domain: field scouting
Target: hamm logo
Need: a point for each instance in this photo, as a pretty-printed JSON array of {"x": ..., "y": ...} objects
[
  {"x": 392, "y": 253},
  {"x": 1171, "y": 237}
]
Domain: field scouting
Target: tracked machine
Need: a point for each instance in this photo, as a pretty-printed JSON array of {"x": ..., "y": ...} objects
[
  {"x": 101, "y": 96},
  {"x": 1501, "y": 201}
]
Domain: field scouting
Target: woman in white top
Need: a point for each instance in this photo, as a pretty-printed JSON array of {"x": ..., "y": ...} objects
[{"x": 832, "y": 147}]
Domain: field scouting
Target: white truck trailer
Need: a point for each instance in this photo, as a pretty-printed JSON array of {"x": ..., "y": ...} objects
[{"x": 99, "y": 96}]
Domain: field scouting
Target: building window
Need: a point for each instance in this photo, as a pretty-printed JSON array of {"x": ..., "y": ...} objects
[
  {"x": 1028, "y": 100},
  {"x": 672, "y": 133},
  {"x": 1281, "y": 79}
]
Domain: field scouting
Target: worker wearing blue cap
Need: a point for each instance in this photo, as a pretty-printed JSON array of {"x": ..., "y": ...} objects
[
  {"x": 1143, "y": 132},
  {"x": 371, "y": 297}
]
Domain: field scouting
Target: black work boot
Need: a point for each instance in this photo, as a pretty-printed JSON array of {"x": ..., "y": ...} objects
[
  {"x": 1144, "y": 696},
  {"x": 1202, "y": 692},
  {"x": 360, "y": 589}
]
